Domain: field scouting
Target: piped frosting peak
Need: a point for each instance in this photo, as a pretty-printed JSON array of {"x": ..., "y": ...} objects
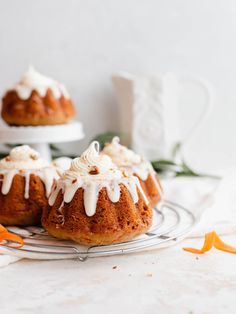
[
  {"x": 33, "y": 80},
  {"x": 121, "y": 155},
  {"x": 21, "y": 158},
  {"x": 92, "y": 165},
  {"x": 129, "y": 162}
]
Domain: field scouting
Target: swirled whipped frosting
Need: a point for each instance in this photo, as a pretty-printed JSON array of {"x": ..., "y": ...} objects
[
  {"x": 130, "y": 162},
  {"x": 21, "y": 158},
  {"x": 25, "y": 161},
  {"x": 92, "y": 172},
  {"x": 33, "y": 80},
  {"x": 93, "y": 165},
  {"x": 121, "y": 155},
  {"x": 126, "y": 159}
]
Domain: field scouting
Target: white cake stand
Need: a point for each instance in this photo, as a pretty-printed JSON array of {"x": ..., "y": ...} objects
[{"x": 39, "y": 137}]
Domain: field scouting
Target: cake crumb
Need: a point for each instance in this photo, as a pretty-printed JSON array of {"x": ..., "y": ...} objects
[
  {"x": 114, "y": 267},
  {"x": 149, "y": 275},
  {"x": 34, "y": 157},
  {"x": 94, "y": 170}
]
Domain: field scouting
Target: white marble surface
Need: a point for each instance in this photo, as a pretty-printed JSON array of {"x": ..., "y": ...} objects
[{"x": 160, "y": 281}]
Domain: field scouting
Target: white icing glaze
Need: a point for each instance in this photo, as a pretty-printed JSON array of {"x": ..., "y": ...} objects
[
  {"x": 131, "y": 163},
  {"x": 33, "y": 80},
  {"x": 25, "y": 161},
  {"x": 23, "y": 158},
  {"x": 93, "y": 172}
]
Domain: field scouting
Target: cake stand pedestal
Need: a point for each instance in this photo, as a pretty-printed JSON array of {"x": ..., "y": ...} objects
[{"x": 39, "y": 137}]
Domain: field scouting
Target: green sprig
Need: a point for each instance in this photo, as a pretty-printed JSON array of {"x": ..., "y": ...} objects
[{"x": 163, "y": 166}]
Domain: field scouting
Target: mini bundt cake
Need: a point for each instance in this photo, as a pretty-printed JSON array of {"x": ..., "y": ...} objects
[
  {"x": 37, "y": 100},
  {"x": 25, "y": 184},
  {"x": 133, "y": 164},
  {"x": 93, "y": 203}
]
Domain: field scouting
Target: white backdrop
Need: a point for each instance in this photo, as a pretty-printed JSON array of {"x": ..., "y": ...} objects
[{"x": 81, "y": 43}]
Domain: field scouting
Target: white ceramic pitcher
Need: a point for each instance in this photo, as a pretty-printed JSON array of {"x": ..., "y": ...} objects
[{"x": 149, "y": 111}]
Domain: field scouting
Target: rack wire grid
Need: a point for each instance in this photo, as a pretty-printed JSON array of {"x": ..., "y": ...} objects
[{"x": 171, "y": 223}]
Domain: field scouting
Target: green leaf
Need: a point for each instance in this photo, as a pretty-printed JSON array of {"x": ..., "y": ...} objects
[
  {"x": 163, "y": 162},
  {"x": 54, "y": 148},
  {"x": 189, "y": 173},
  {"x": 105, "y": 138},
  {"x": 162, "y": 165},
  {"x": 3, "y": 155},
  {"x": 176, "y": 149}
]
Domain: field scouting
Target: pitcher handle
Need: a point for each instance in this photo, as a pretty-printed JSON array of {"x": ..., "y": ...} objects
[{"x": 208, "y": 103}]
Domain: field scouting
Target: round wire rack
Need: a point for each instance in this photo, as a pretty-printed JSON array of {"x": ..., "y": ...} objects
[{"x": 171, "y": 223}]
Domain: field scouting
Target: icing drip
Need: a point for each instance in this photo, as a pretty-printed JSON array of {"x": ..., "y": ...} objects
[
  {"x": 130, "y": 162},
  {"x": 90, "y": 198},
  {"x": 157, "y": 184},
  {"x": 93, "y": 172},
  {"x": 113, "y": 191},
  {"x": 27, "y": 182},
  {"x": 33, "y": 80},
  {"x": 25, "y": 161},
  {"x": 47, "y": 176},
  {"x": 7, "y": 180},
  {"x": 60, "y": 216}
]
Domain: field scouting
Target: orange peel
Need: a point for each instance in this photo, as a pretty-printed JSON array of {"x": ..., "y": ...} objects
[
  {"x": 212, "y": 240},
  {"x": 5, "y": 235}
]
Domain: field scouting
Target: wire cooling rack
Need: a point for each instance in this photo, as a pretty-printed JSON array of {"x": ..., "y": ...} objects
[{"x": 172, "y": 222}]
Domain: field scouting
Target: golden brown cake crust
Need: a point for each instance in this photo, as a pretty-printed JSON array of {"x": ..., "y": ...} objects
[
  {"x": 15, "y": 209},
  {"x": 36, "y": 110},
  {"x": 112, "y": 222},
  {"x": 150, "y": 189}
]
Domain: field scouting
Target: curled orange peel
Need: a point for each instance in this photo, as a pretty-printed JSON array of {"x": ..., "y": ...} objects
[
  {"x": 8, "y": 236},
  {"x": 212, "y": 240}
]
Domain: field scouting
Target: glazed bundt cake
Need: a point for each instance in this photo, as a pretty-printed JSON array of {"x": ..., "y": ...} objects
[
  {"x": 94, "y": 203},
  {"x": 131, "y": 163},
  {"x": 37, "y": 100},
  {"x": 25, "y": 184}
]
